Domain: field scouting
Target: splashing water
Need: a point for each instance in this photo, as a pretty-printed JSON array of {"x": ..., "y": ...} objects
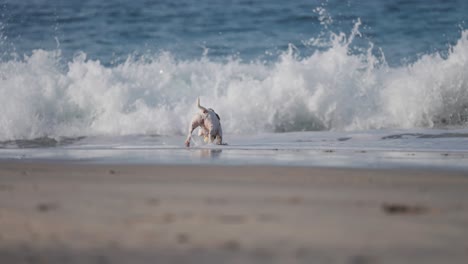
[{"x": 332, "y": 89}]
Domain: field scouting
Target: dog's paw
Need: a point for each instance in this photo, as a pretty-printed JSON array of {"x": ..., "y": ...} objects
[{"x": 187, "y": 144}]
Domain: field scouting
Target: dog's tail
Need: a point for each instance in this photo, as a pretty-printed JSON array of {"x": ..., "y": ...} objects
[{"x": 201, "y": 107}]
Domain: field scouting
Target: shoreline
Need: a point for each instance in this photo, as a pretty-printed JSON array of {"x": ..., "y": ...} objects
[
  {"x": 110, "y": 213},
  {"x": 321, "y": 158}
]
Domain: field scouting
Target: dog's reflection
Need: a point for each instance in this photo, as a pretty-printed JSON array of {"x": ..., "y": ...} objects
[{"x": 210, "y": 153}]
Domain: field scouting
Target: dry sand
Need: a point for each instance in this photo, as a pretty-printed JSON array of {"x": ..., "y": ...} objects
[{"x": 81, "y": 213}]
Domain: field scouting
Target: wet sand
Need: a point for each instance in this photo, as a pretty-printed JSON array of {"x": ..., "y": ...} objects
[{"x": 81, "y": 213}]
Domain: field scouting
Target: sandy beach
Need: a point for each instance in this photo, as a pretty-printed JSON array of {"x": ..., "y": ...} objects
[{"x": 80, "y": 213}]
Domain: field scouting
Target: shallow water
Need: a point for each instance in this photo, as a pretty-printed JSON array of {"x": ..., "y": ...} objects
[{"x": 429, "y": 149}]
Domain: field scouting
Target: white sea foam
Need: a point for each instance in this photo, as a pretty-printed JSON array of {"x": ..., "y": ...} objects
[{"x": 333, "y": 89}]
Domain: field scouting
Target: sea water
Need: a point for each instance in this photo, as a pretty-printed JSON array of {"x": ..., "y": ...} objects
[{"x": 322, "y": 81}]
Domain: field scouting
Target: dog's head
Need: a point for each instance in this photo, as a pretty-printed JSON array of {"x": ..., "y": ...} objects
[{"x": 211, "y": 109}]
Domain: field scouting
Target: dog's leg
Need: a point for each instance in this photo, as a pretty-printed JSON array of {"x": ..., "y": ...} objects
[
  {"x": 212, "y": 136},
  {"x": 219, "y": 139},
  {"x": 189, "y": 137},
  {"x": 192, "y": 127},
  {"x": 203, "y": 132},
  {"x": 219, "y": 136}
]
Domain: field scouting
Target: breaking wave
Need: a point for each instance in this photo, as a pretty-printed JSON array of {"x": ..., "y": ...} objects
[{"x": 335, "y": 88}]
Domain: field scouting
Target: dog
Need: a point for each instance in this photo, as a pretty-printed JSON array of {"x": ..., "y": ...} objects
[{"x": 210, "y": 126}]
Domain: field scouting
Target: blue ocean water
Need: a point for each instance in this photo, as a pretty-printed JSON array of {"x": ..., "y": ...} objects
[
  {"x": 110, "y": 31},
  {"x": 78, "y": 68}
]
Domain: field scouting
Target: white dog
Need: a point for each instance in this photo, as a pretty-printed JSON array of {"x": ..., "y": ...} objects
[{"x": 210, "y": 126}]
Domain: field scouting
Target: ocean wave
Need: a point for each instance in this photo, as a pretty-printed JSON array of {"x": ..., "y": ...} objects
[{"x": 335, "y": 88}]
